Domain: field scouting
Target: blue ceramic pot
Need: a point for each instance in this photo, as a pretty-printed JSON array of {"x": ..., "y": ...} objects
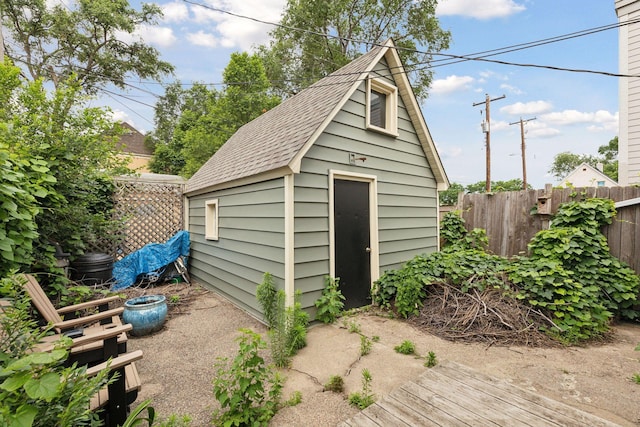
[{"x": 146, "y": 314}]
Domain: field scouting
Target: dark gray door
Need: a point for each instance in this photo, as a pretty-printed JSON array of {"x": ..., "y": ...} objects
[{"x": 352, "y": 246}]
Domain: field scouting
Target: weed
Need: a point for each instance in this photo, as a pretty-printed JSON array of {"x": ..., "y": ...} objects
[
  {"x": 330, "y": 304},
  {"x": 352, "y": 326},
  {"x": 430, "y": 360},
  {"x": 294, "y": 399},
  {"x": 335, "y": 384},
  {"x": 636, "y": 378},
  {"x": 365, "y": 345},
  {"x": 364, "y": 398},
  {"x": 407, "y": 347},
  {"x": 174, "y": 299},
  {"x": 375, "y": 338},
  {"x": 248, "y": 391}
]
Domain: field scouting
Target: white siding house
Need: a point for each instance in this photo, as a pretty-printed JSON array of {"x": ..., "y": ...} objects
[
  {"x": 586, "y": 175},
  {"x": 629, "y": 93}
]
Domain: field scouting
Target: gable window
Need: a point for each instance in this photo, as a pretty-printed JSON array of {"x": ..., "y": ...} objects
[
  {"x": 382, "y": 107},
  {"x": 211, "y": 219},
  {"x": 600, "y": 183}
]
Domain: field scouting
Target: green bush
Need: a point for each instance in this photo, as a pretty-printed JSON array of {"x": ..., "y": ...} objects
[
  {"x": 331, "y": 303},
  {"x": 249, "y": 392},
  {"x": 36, "y": 390}
]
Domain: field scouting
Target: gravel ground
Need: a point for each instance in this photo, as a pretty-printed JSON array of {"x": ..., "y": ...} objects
[{"x": 177, "y": 367}]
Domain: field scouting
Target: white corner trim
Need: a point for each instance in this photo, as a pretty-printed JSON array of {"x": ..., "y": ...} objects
[
  {"x": 289, "y": 241},
  {"x": 373, "y": 219}
]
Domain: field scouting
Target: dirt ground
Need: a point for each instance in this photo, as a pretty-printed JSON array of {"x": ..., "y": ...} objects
[{"x": 177, "y": 368}]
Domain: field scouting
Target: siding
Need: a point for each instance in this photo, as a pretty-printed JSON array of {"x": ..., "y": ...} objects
[
  {"x": 251, "y": 241},
  {"x": 630, "y": 119},
  {"x": 407, "y": 196}
]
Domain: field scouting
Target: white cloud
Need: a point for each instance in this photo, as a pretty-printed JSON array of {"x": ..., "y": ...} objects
[
  {"x": 511, "y": 89},
  {"x": 203, "y": 39},
  {"x": 232, "y": 31},
  {"x": 600, "y": 120},
  {"x": 537, "y": 129},
  {"x": 479, "y": 9},
  {"x": 175, "y": 12},
  {"x": 155, "y": 35},
  {"x": 520, "y": 108},
  {"x": 450, "y": 84}
]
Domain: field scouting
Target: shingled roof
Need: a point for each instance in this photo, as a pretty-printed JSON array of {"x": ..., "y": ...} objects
[{"x": 277, "y": 140}]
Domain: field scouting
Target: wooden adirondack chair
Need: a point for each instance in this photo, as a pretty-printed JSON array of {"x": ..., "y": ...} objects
[
  {"x": 89, "y": 325},
  {"x": 115, "y": 399}
]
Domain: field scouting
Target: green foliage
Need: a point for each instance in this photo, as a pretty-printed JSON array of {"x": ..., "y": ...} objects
[
  {"x": 636, "y": 378},
  {"x": 335, "y": 384},
  {"x": 430, "y": 360},
  {"x": 35, "y": 388},
  {"x": 195, "y": 112},
  {"x": 80, "y": 40},
  {"x": 266, "y": 294},
  {"x": 62, "y": 157},
  {"x": 364, "y": 398},
  {"x": 136, "y": 418},
  {"x": 467, "y": 268},
  {"x": 456, "y": 237},
  {"x": 406, "y": 347},
  {"x": 330, "y": 304},
  {"x": 296, "y": 59},
  {"x": 365, "y": 345},
  {"x": 564, "y": 163},
  {"x": 287, "y": 325},
  {"x": 249, "y": 392},
  {"x": 570, "y": 276},
  {"x": 294, "y": 399},
  {"x": 352, "y": 326},
  {"x": 575, "y": 241},
  {"x": 449, "y": 197}
]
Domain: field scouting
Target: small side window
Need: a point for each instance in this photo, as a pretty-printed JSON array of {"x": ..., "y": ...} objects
[
  {"x": 382, "y": 107},
  {"x": 211, "y": 220}
]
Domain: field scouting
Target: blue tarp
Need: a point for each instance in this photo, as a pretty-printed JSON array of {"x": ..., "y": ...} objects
[{"x": 149, "y": 258}]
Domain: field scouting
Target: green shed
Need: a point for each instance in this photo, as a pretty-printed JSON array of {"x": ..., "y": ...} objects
[{"x": 340, "y": 180}]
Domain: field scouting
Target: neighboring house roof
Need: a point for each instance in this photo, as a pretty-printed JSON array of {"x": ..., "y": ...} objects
[
  {"x": 586, "y": 175},
  {"x": 132, "y": 141},
  {"x": 276, "y": 141}
]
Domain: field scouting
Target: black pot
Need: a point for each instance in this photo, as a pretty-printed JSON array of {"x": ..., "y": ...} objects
[{"x": 92, "y": 269}]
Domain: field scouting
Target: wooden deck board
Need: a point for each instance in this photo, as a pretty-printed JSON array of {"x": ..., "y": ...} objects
[{"x": 451, "y": 394}]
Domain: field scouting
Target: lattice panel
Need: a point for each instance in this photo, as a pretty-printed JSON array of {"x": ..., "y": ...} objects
[{"x": 152, "y": 212}]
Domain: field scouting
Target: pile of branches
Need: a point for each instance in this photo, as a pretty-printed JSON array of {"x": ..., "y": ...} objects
[{"x": 489, "y": 316}]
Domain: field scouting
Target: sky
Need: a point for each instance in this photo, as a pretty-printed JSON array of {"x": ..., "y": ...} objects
[{"x": 562, "y": 110}]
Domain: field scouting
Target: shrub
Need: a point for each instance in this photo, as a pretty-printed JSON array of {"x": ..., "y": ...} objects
[
  {"x": 248, "y": 391},
  {"x": 35, "y": 388},
  {"x": 407, "y": 347},
  {"x": 330, "y": 304}
]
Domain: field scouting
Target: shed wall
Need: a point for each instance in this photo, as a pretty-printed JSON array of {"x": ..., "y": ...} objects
[
  {"x": 407, "y": 195},
  {"x": 250, "y": 243}
]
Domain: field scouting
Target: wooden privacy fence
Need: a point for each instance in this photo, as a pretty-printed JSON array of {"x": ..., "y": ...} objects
[{"x": 511, "y": 219}]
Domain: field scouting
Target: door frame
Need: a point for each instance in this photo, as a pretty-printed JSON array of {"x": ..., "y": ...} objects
[{"x": 373, "y": 220}]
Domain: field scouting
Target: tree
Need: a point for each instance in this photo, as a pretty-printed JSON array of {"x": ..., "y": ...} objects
[
  {"x": 80, "y": 39},
  {"x": 317, "y": 37},
  {"x": 450, "y": 196},
  {"x": 66, "y": 155},
  {"x": 170, "y": 124},
  {"x": 208, "y": 118},
  {"x": 564, "y": 163}
]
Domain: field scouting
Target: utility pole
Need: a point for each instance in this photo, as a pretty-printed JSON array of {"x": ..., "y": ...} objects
[
  {"x": 487, "y": 102},
  {"x": 522, "y": 147}
]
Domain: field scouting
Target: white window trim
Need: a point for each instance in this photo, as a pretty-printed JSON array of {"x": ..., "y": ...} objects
[
  {"x": 391, "y": 118},
  {"x": 211, "y": 215}
]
